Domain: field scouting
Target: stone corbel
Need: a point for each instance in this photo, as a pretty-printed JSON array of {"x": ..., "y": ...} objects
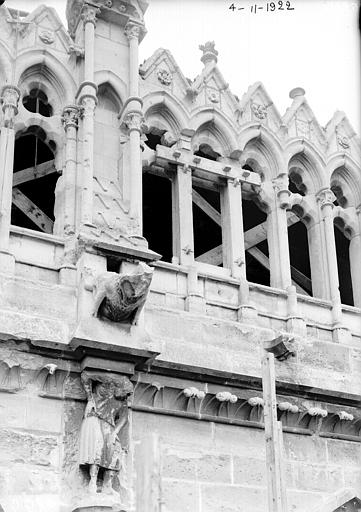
[
  {"x": 121, "y": 297},
  {"x": 76, "y": 50}
]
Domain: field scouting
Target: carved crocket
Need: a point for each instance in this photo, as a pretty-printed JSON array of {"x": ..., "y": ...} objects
[{"x": 121, "y": 297}]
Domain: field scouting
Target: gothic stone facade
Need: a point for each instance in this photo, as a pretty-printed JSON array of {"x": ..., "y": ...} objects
[{"x": 133, "y": 382}]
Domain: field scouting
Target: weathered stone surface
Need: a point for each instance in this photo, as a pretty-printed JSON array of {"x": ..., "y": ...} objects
[
  {"x": 248, "y": 471},
  {"x": 346, "y": 453},
  {"x": 179, "y": 496},
  {"x": 207, "y": 467},
  {"x": 216, "y": 498},
  {"x": 20, "y": 447}
]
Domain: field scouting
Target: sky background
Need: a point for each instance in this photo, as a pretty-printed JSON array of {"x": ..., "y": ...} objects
[{"x": 315, "y": 46}]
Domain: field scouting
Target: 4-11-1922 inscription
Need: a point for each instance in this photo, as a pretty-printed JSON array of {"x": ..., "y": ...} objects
[{"x": 269, "y": 7}]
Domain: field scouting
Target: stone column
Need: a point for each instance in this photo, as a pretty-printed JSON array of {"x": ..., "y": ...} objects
[
  {"x": 277, "y": 234},
  {"x": 355, "y": 261},
  {"x": 70, "y": 122},
  {"x": 326, "y": 198},
  {"x": 10, "y": 98},
  {"x": 134, "y": 121},
  {"x": 88, "y": 102}
]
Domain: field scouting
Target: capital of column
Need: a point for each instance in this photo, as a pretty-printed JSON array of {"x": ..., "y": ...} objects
[
  {"x": 358, "y": 210},
  {"x": 325, "y": 197},
  {"x": 89, "y": 14},
  {"x": 9, "y": 101},
  {"x": 134, "y": 121},
  {"x": 280, "y": 185},
  {"x": 70, "y": 117},
  {"x": 132, "y": 31}
]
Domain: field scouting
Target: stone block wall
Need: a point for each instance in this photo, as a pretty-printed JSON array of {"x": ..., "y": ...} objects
[{"x": 209, "y": 467}]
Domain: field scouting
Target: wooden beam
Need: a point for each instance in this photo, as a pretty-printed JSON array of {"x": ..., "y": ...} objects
[
  {"x": 212, "y": 257},
  {"x": 206, "y": 207},
  {"x": 32, "y": 211},
  {"x": 264, "y": 261},
  {"x": 205, "y": 166},
  {"x": 276, "y": 485},
  {"x": 33, "y": 173}
]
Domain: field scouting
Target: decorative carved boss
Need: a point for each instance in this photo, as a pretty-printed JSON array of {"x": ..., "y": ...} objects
[{"x": 121, "y": 297}]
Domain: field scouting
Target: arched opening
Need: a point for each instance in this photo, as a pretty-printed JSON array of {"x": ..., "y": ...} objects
[
  {"x": 207, "y": 217},
  {"x": 37, "y": 102},
  {"x": 207, "y": 230},
  {"x": 342, "y": 241},
  {"x": 299, "y": 252},
  {"x": 157, "y": 213},
  {"x": 34, "y": 181},
  {"x": 255, "y": 233}
]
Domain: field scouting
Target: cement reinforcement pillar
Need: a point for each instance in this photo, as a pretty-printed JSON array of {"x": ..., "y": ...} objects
[{"x": 9, "y": 99}]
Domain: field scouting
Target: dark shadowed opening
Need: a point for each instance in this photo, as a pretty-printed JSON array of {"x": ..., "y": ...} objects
[
  {"x": 157, "y": 214},
  {"x": 31, "y": 150},
  {"x": 343, "y": 264},
  {"x": 256, "y": 263}
]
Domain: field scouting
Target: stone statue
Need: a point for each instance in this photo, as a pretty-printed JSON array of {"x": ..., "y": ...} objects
[
  {"x": 103, "y": 436},
  {"x": 121, "y": 297}
]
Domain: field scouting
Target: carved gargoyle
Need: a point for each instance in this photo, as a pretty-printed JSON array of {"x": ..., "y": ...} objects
[{"x": 121, "y": 297}]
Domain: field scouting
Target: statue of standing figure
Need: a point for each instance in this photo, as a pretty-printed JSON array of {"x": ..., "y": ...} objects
[{"x": 105, "y": 419}]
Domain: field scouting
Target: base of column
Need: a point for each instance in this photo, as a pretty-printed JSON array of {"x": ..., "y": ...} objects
[
  {"x": 99, "y": 502},
  {"x": 342, "y": 335},
  {"x": 195, "y": 304},
  {"x": 247, "y": 314},
  {"x": 296, "y": 325},
  {"x": 7, "y": 263},
  {"x": 67, "y": 275}
]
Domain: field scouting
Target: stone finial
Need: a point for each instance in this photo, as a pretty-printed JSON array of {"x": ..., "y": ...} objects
[
  {"x": 297, "y": 91},
  {"x": 209, "y": 52}
]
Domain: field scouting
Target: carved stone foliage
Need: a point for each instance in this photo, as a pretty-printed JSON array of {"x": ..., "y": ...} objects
[
  {"x": 89, "y": 14},
  {"x": 164, "y": 76},
  {"x": 9, "y": 101},
  {"x": 70, "y": 116},
  {"x": 104, "y": 435},
  {"x": 132, "y": 31},
  {"x": 259, "y": 110},
  {"x": 47, "y": 37},
  {"x": 238, "y": 408},
  {"x": 134, "y": 121},
  {"x": 343, "y": 142},
  {"x": 326, "y": 197},
  {"x": 213, "y": 97},
  {"x": 209, "y": 52},
  {"x": 121, "y": 297}
]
